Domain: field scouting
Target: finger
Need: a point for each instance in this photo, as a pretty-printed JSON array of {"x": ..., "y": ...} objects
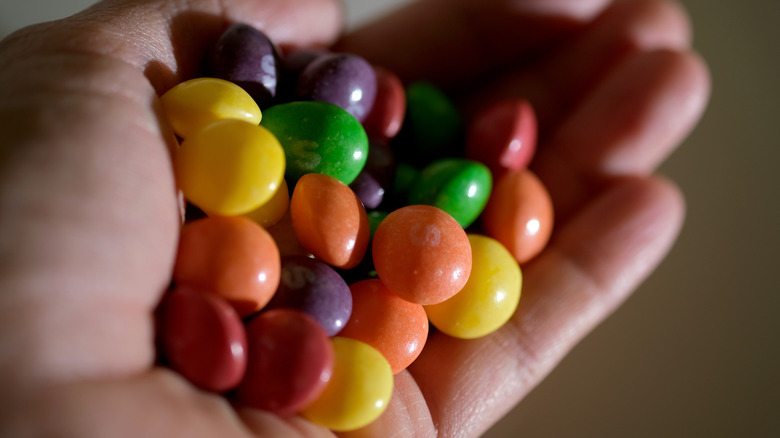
[
  {"x": 593, "y": 264},
  {"x": 406, "y": 416},
  {"x": 168, "y": 39},
  {"x": 87, "y": 197},
  {"x": 627, "y": 125},
  {"x": 266, "y": 424},
  {"x": 557, "y": 84},
  {"x": 449, "y": 41},
  {"x": 156, "y": 404}
]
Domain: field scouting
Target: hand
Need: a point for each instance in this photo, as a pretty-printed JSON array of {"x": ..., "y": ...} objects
[{"x": 89, "y": 219}]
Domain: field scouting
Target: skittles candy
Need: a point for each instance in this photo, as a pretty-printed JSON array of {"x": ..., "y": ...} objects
[{"x": 331, "y": 229}]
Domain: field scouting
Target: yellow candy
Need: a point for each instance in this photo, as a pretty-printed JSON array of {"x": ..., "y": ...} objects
[
  {"x": 489, "y": 298},
  {"x": 193, "y": 104},
  {"x": 230, "y": 167},
  {"x": 274, "y": 210},
  {"x": 359, "y": 389}
]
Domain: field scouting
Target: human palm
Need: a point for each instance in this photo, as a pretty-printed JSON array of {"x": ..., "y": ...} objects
[{"x": 89, "y": 213}]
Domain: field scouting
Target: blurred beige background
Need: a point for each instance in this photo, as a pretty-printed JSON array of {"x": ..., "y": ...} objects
[{"x": 695, "y": 352}]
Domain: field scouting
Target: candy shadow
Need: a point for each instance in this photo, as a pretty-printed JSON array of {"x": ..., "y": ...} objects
[{"x": 192, "y": 35}]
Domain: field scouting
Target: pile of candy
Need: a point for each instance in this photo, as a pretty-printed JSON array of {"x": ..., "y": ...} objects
[{"x": 309, "y": 303}]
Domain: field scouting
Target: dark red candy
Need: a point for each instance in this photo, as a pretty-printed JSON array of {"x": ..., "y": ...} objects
[
  {"x": 245, "y": 56},
  {"x": 290, "y": 362},
  {"x": 345, "y": 80},
  {"x": 316, "y": 289},
  {"x": 203, "y": 339},
  {"x": 503, "y": 136},
  {"x": 387, "y": 115}
]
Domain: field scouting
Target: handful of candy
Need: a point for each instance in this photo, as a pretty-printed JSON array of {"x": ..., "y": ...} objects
[{"x": 308, "y": 303}]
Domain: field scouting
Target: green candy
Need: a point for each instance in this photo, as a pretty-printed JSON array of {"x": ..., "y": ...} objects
[
  {"x": 432, "y": 127},
  {"x": 318, "y": 137},
  {"x": 405, "y": 176},
  {"x": 458, "y": 186}
]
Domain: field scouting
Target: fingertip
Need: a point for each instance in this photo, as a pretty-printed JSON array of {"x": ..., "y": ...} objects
[
  {"x": 651, "y": 24},
  {"x": 407, "y": 414},
  {"x": 644, "y": 109},
  {"x": 580, "y": 10},
  {"x": 630, "y": 227}
]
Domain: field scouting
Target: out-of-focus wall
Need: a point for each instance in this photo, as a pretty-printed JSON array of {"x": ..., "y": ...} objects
[{"x": 695, "y": 352}]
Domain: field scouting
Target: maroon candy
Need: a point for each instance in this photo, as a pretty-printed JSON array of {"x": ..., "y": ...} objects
[
  {"x": 290, "y": 362},
  {"x": 203, "y": 338}
]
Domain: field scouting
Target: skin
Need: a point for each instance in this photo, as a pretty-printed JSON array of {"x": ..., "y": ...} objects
[{"x": 89, "y": 213}]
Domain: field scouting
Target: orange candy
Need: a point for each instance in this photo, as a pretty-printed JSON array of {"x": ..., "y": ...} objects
[
  {"x": 519, "y": 214},
  {"x": 381, "y": 319},
  {"x": 285, "y": 238},
  {"x": 232, "y": 257},
  {"x": 422, "y": 254},
  {"x": 329, "y": 220}
]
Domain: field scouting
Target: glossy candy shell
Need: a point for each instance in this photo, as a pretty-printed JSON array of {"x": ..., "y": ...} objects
[
  {"x": 380, "y": 318},
  {"x": 229, "y": 256},
  {"x": 318, "y": 137},
  {"x": 422, "y": 254},
  {"x": 203, "y": 339},
  {"x": 345, "y": 80},
  {"x": 359, "y": 389},
  {"x": 368, "y": 189},
  {"x": 459, "y": 187},
  {"x": 290, "y": 362},
  {"x": 316, "y": 289},
  {"x": 489, "y": 298},
  {"x": 329, "y": 220},
  {"x": 245, "y": 56},
  {"x": 519, "y": 214},
  {"x": 503, "y": 136},
  {"x": 230, "y": 167},
  {"x": 384, "y": 120},
  {"x": 192, "y": 105}
]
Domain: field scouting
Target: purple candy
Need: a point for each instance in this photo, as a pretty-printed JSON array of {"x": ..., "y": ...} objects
[
  {"x": 368, "y": 189},
  {"x": 345, "y": 80},
  {"x": 245, "y": 56},
  {"x": 292, "y": 64},
  {"x": 314, "y": 288},
  {"x": 380, "y": 163},
  {"x": 295, "y": 61}
]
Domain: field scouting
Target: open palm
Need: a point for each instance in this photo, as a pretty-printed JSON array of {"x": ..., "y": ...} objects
[{"x": 89, "y": 214}]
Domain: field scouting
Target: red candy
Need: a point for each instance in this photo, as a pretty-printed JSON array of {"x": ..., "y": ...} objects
[
  {"x": 290, "y": 362},
  {"x": 503, "y": 136},
  {"x": 422, "y": 254},
  {"x": 232, "y": 257},
  {"x": 203, "y": 339},
  {"x": 519, "y": 214},
  {"x": 386, "y": 116},
  {"x": 381, "y": 319},
  {"x": 329, "y": 220}
]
